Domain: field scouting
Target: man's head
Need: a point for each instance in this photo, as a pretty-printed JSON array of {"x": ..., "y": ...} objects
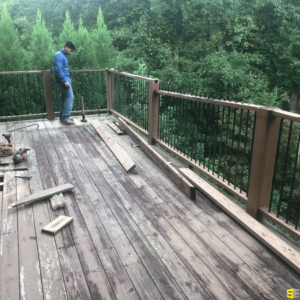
[{"x": 69, "y": 47}]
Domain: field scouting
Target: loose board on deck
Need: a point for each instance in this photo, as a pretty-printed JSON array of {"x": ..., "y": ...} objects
[
  {"x": 57, "y": 224},
  {"x": 42, "y": 195},
  {"x": 116, "y": 149}
]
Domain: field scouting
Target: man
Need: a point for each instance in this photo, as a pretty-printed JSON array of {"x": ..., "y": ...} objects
[{"x": 64, "y": 81}]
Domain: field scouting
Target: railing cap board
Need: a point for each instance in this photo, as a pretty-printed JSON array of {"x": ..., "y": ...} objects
[
  {"x": 21, "y": 72},
  {"x": 130, "y": 75},
  {"x": 274, "y": 111}
]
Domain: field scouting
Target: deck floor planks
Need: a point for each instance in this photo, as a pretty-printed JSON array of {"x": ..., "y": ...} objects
[
  {"x": 157, "y": 270},
  {"x": 92, "y": 267},
  {"x": 52, "y": 279},
  {"x": 122, "y": 197},
  {"x": 74, "y": 279},
  {"x": 272, "y": 278},
  {"x": 118, "y": 278},
  {"x": 142, "y": 213},
  {"x": 277, "y": 283},
  {"x": 269, "y": 258},
  {"x": 30, "y": 275},
  {"x": 134, "y": 267},
  {"x": 182, "y": 275}
]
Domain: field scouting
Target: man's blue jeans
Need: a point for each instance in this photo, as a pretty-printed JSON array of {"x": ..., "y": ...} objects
[{"x": 66, "y": 102}]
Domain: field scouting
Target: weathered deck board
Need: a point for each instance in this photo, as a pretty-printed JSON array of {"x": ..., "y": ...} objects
[
  {"x": 74, "y": 279},
  {"x": 271, "y": 277},
  {"x": 30, "y": 275},
  {"x": 135, "y": 235},
  {"x": 53, "y": 286},
  {"x": 9, "y": 252}
]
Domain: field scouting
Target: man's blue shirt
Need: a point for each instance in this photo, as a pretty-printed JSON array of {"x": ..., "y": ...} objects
[{"x": 61, "y": 67}]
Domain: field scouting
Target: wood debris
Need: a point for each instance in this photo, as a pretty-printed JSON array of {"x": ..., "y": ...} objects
[
  {"x": 57, "y": 201},
  {"x": 57, "y": 224},
  {"x": 42, "y": 195}
]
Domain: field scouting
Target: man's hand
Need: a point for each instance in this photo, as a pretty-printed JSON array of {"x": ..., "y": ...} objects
[{"x": 67, "y": 84}]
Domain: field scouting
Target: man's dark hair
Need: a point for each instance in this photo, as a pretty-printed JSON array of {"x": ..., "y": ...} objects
[{"x": 70, "y": 45}]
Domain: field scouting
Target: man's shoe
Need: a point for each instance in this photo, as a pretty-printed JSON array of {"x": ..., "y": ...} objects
[{"x": 65, "y": 122}]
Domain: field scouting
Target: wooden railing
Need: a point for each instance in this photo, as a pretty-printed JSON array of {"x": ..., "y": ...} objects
[{"x": 236, "y": 145}]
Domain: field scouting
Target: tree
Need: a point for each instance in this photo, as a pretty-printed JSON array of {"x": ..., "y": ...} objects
[
  {"x": 11, "y": 52},
  {"x": 84, "y": 57},
  {"x": 102, "y": 43},
  {"x": 41, "y": 48}
]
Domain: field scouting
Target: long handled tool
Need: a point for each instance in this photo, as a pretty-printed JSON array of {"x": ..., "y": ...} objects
[
  {"x": 82, "y": 107},
  {"x": 14, "y": 169}
]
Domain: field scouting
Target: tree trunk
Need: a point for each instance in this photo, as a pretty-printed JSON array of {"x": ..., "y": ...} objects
[{"x": 293, "y": 101}]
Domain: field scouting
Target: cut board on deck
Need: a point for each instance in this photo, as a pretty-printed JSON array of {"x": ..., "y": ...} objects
[
  {"x": 42, "y": 195},
  {"x": 57, "y": 201},
  {"x": 282, "y": 249},
  {"x": 114, "y": 127},
  {"x": 57, "y": 224},
  {"x": 116, "y": 149},
  {"x": 183, "y": 183}
]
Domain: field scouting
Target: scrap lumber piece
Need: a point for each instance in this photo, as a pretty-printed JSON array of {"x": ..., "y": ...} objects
[
  {"x": 183, "y": 183},
  {"x": 116, "y": 149},
  {"x": 57, "y": 201},
  {"x": 282, "y": 249},
  {"x": 42, "y": 195},
  {"x": 57, "y": 224},
  {"x": 115, "y": 128}
]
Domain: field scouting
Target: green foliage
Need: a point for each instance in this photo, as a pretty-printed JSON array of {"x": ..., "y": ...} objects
[
  {"x": 41, "y": 46},
  {"x": 102, "y": 44},
  {"x": 11, "y": 52}
]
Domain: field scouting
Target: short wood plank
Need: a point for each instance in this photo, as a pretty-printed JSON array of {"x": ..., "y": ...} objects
[
  {"x": 121, "y": 155},
  {"x": 43, "y": 194},
  {"x": 115, "y": 128},
  {"x": 57, "y": 224},
  {"x": 184, "y": 184},
  {"x": 54, "y": 202},
  {"x": 287, "y": 253}
]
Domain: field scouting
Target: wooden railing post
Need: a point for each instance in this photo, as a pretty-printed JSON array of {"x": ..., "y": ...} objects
[
  {"x": 110, "y": 90},
  {"x": 48, "y": 95},
  {"x": 153, "y": 111},
  {"x": 263, "y": 160}
]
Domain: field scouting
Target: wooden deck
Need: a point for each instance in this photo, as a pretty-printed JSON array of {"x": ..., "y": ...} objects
[{"x": 135, "y": 235}]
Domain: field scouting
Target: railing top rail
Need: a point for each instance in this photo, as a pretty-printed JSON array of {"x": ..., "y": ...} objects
[
  {"x": 252, "y": 107},
  {"x": 88, "y": 70},
  {"x": 131, "y": 75},
  {"x": 20, "y": 72},
  {"x": 239, "y": 105}
]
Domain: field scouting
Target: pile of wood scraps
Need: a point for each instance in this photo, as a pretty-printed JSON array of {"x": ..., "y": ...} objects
[{"x": 57, "y": 201}]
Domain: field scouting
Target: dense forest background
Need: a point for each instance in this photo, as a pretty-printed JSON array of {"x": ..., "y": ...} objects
[{"x": 229, "y": 49}]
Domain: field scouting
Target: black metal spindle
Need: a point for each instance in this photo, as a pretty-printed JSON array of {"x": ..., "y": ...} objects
[
  {"x": 221, "y": 142},
  {"x": 293, "y": 181},
  {"x": 284, "y": 168},
  {"x": 276, "y": 162},
  {"x": 226, "y": 142},
  {"x": 215, "y": 137},
  {"x": 238, "y": 149},
  {"x": 250, "y": 154},
  {"x": 232, "y": 142}
]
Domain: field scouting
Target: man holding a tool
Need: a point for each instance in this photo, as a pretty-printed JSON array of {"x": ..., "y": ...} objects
[{"x": 64, "y": 81}]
